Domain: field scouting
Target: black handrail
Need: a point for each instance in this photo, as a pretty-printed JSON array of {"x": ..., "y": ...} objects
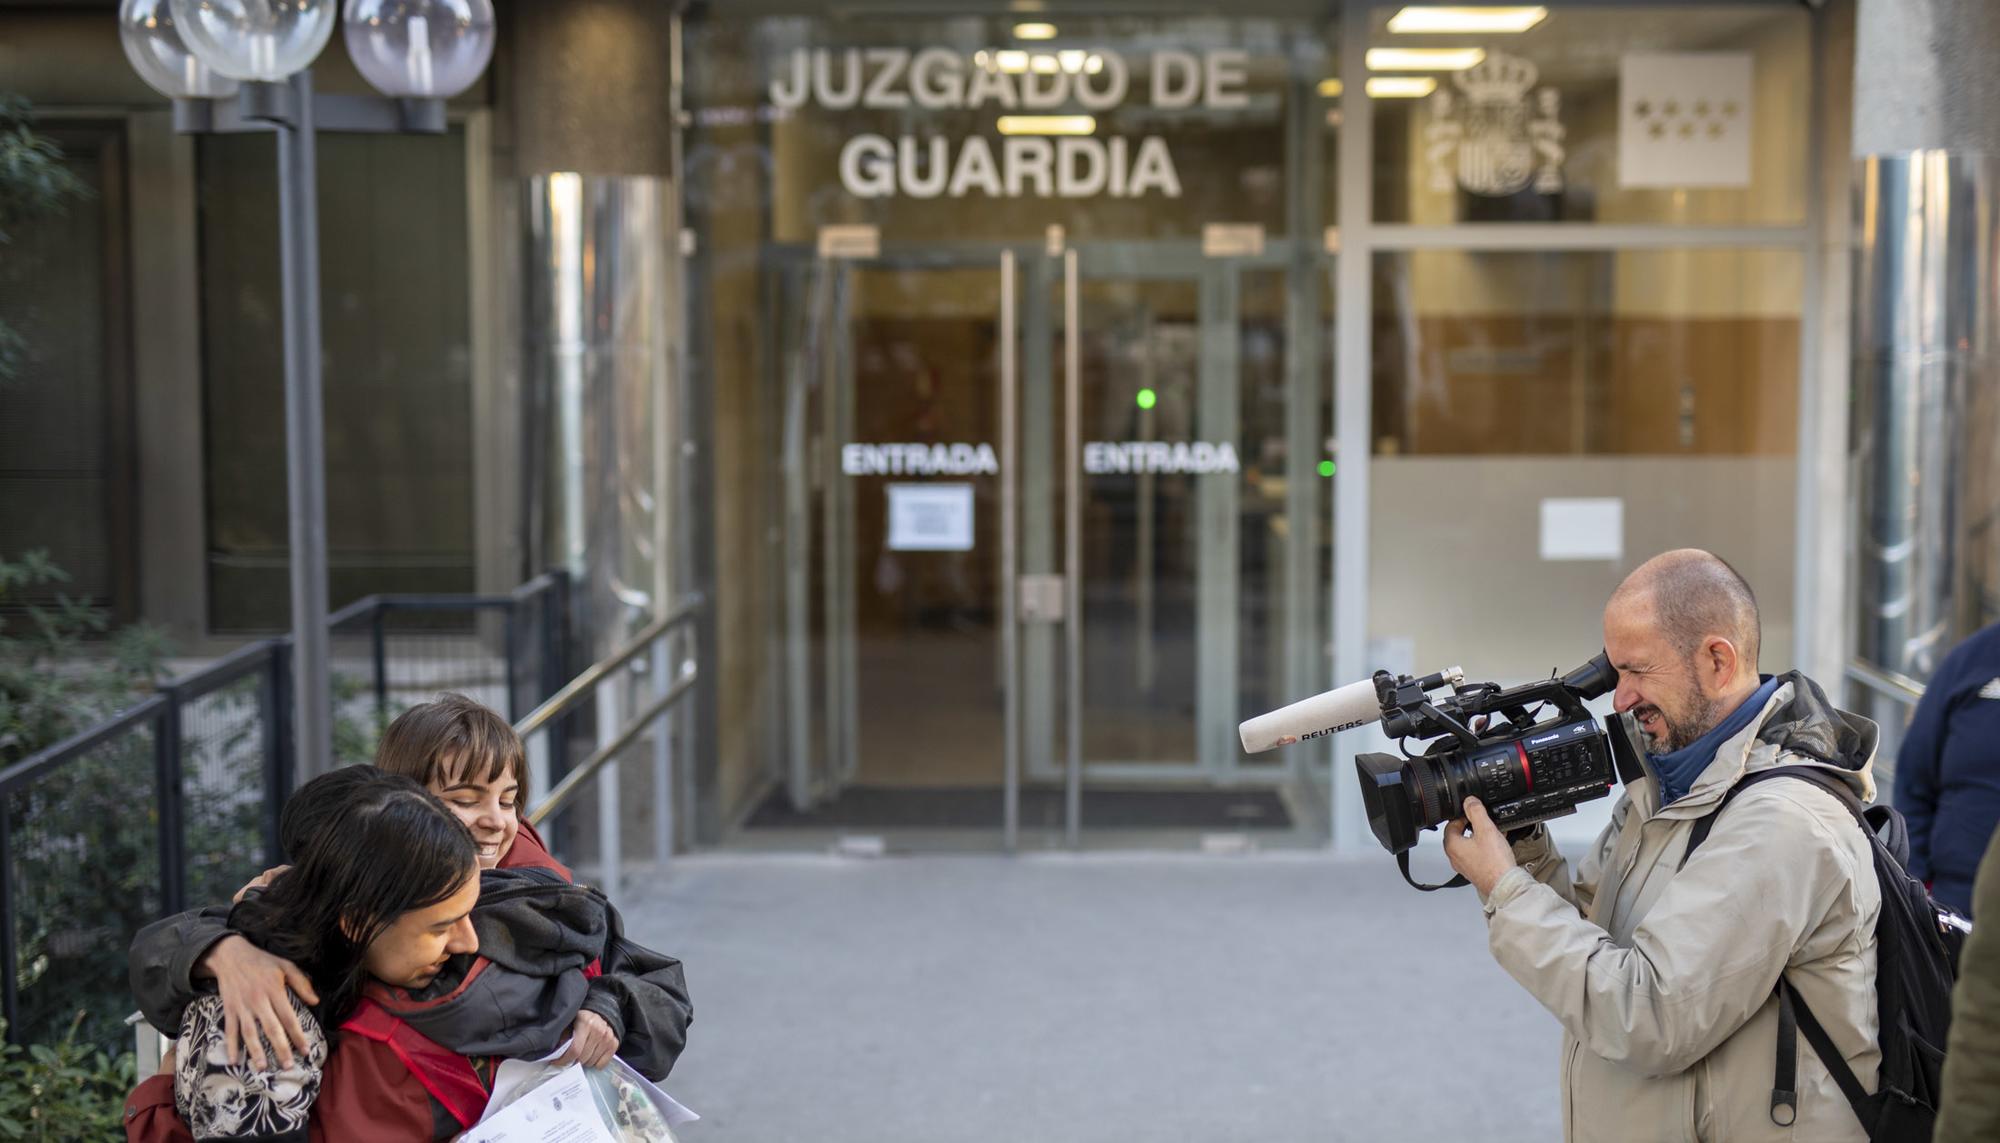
[
  {"x": 268, "y": 660},
  {"x": 574, "y": 692},
  {"x": 41, "y": 761}
]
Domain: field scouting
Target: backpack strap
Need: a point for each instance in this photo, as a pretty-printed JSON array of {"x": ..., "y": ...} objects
[
  {"x": 1817, "y": 775},
  {"x": 1829, "y": 1054},
  {"x": 1794, "y": 1016},
  {"x": 448, "y": 1076},
  {"x": 1785, "y": 1085}
]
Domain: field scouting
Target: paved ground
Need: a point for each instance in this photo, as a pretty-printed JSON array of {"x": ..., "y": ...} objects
[{"x": 1093, "y": 997}]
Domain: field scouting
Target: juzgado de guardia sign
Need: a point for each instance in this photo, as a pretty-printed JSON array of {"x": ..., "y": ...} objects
[{"x": 939, "y": 79}]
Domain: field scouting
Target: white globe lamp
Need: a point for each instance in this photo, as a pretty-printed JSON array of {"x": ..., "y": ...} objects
[
  {"x": 153, "y": 44},
  {"x": 265, "y": 40},
  {"x": 420, "y": 49}
]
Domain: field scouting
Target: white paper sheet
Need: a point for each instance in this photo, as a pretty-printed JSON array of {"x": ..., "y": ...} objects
[
  {"x": 930, "y": 517},
  {"x": 561, "y": 1110}
]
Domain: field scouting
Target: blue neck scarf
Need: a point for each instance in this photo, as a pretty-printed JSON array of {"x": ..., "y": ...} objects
[{"x": 1678, "y": 769}]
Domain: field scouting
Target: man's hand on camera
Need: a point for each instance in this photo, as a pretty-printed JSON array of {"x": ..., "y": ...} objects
[{"x": 1477, "y": 848}]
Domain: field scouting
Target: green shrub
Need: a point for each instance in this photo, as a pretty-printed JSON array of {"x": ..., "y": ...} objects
[
  {"x": 85, "y": 843},
  {"x": 63, "y": 1091}
]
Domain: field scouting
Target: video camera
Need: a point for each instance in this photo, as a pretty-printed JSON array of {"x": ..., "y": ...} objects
[{"x": 1488, "y": 742}]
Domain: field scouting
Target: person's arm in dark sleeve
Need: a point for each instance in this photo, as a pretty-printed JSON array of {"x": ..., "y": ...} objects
[
  {"x": 643, "y": 995},
  {"x": 162, "y": 963},
  {"x": 1970, "y": 1106},
  {"x": 1917, "y": 766}
]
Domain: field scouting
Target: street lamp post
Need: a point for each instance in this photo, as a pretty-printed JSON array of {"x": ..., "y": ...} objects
[{"x": 236, "y": 66}]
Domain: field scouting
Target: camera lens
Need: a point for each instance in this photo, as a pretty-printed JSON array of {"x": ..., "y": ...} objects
[{"x": 1433, "y": 787}]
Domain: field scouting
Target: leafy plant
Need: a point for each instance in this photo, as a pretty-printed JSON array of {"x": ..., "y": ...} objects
[
  {"x": 62, "y": 669},
  {"x": 62, "y": 1091},
  {"x": 86, "y": 835}
]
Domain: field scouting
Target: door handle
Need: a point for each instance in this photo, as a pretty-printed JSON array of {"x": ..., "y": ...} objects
[{"x": 1042, "y": 598}]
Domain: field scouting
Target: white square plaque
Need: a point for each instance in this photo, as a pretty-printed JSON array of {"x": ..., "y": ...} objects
[
  {"x": 1684, "y": 119},
  {"x": 1585, "y": 529}
]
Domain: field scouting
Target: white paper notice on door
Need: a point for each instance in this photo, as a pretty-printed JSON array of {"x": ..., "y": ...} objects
[
  {"x": 930, "y": 517},
  {"x": 1583, "y": 529}
]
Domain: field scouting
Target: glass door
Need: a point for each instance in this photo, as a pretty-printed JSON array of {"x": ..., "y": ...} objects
[
  {"x": 1184, "y": 474},
  {"x": 1155, "y": 400},
  {"x": 893, "y": 619}
]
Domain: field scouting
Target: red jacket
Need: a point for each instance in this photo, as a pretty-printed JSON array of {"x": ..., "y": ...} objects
[
  {"x": 365, "y": 1093},
  {"x": 529, "y": 852}
]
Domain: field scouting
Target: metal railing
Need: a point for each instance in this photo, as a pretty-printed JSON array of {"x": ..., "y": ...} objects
[
  {"x": 648, "y": 675},
  {"x": 176, "y": 799},
  {"x": 1890, "y": 684}
]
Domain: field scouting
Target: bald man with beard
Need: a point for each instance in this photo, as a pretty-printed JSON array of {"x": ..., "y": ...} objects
[{"x": 1661, "y": 965}]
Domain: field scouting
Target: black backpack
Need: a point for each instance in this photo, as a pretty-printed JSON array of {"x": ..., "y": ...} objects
[{"x": 1917, "y": 943}]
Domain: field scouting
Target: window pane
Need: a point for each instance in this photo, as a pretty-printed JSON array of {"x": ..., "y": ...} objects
[
  {"x": 1630, "y": 115},
  {"x": 56, "y": 471},
  {"x": 1661, "y": 385},
  {"x": 398, "y": 378},
  {"x": 1638, "y": 352}
]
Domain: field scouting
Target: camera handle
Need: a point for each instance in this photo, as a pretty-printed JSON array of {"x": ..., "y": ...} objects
[{"x": 1458, "y": 881}]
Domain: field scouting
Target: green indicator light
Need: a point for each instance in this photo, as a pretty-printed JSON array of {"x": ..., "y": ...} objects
[
  {"x": 1326, "y": 468},
  {"x": 1148, "y": 398}
]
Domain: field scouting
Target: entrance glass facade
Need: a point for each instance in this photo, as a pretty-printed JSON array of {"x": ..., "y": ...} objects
[
  {"x": 1050, "y": 446},
  {"x": 859, "y": 185}
]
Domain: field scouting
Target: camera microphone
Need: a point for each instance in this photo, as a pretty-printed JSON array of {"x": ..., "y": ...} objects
[{"x": 1330, "y": 712}]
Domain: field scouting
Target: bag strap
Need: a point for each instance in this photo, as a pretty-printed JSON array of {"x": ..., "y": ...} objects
[
  {"x": 448, "y": 1076},
  {"x": 1794, "y": 1016},
  {"x": 1836, "y": 1064},
  {"x": 1785, "y": 1085},
  {"x": 1815, "y": 774}
]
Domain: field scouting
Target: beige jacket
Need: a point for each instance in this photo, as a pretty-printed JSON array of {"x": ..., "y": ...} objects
[{"x": 1663, "y": 978}]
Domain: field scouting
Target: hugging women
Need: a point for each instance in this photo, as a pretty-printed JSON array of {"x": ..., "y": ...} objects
[{"x": 420, "y": 934}]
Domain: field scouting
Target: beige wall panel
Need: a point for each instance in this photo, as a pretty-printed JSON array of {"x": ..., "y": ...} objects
[{"x": 1455, "y": 563}]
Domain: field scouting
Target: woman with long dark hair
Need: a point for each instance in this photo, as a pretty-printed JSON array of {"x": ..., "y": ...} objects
[
  {"x": 381, "y": 888},
  {"x": 635, "y": 1000},
  {"x": 425, "y": 1001},
  {"x": 377, "y": 855}
]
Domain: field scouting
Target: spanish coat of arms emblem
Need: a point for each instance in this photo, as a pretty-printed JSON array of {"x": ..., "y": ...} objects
[{"x": 1503, "y": 140}]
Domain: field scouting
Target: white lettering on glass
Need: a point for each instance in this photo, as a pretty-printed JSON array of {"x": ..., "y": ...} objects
[
  {"x": 958, "y": 459},
  {"x": 867, "y": 166},
  {"x": 1122, "y": 458},
  {"x": 1058, "y": 165}
]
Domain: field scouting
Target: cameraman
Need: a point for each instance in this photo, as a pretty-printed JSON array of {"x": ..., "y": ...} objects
[{"x": 1663, "y": 975}]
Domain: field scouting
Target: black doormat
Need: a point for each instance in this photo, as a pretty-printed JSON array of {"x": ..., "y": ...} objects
[{"x": 892, "y": 807}]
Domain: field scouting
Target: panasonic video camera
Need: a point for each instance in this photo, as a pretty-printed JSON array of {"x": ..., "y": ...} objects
[{"x": 1525, "y": 765}]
